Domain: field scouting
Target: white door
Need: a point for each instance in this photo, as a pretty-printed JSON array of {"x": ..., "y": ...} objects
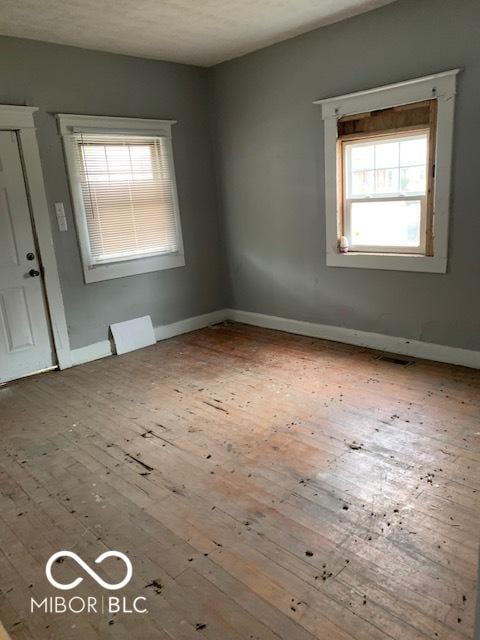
[{"x": 25, "y": 342}]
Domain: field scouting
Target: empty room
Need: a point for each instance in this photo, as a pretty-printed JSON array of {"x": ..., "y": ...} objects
[{"x": 239, "y": 319}]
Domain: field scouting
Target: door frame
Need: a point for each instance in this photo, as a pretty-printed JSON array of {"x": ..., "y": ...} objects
[{"x": 20, "y": 119}]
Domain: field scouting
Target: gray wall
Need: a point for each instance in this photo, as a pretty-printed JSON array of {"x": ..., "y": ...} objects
[
  {"x": 270, "y": 166},
  {"x": 70, "y": 80},
  {"x": 265, "y": 252}
]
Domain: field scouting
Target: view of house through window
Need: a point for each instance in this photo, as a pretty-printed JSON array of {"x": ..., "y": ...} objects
[
  {"x": 385, "y": 179},
  {"x": 386, "y": 192}
]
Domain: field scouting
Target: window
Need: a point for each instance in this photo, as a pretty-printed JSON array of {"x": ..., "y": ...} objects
[
  {"x": 124, "y": 195},
  {"x": 386, "y": 200},
  {"x": 387, "y": 170}
]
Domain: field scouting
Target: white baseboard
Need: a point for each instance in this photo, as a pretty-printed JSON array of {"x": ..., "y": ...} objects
[
  {"x": 379, "y": 341},
  {"x": 93, "y": 351},
  {"x": 105, "y": 348},
  {"x": 189, "y": 324}
]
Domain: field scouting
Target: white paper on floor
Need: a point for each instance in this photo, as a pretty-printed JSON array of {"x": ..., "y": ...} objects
[{"x": 133, "y": 334}]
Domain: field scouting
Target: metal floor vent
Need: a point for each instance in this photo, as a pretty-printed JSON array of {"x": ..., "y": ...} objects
[{"x": 404, "y": 362}]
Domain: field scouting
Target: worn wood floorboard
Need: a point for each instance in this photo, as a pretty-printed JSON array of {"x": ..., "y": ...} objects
[{"x": 271, "y": 487}]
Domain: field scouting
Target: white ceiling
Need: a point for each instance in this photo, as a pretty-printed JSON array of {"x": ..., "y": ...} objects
[{"x": 202, "y": 32}]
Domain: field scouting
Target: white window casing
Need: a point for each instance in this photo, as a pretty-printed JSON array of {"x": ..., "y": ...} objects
[
  {"x": 441, "y": 87},
  {"x": 124, "y": 194}
]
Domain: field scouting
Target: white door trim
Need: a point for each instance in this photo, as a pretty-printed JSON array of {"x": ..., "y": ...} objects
[{"x": 20, "y": 119}]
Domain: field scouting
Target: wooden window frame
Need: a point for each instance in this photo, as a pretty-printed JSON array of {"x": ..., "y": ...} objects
[
  {"x": 440, "y": 89},
  {"x": 426, "y": 244}
]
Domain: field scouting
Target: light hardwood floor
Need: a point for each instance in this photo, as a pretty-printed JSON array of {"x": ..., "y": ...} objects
[{"x": 265, "y": 486}]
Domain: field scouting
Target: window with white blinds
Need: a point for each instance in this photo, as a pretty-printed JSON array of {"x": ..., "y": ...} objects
[
  {"x": 127, "y": 192},
  {"x": 124, "y": 194}
]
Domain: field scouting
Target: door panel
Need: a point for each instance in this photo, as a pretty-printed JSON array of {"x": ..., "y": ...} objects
[
  {"x": 16, "y": 320},
  {"x": 25, "y": 342},
  {"x": 8, "y": 250}
]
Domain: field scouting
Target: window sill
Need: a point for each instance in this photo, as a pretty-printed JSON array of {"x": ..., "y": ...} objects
[
  {"x": 388, "y": 262},
  {"x": 133, "y": 267}
]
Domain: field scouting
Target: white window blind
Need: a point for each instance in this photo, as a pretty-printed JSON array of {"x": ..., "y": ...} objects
[{"x": 127, "y": 189}]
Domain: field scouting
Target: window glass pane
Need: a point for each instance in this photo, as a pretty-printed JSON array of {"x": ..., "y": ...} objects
[
  {"x": 362, "y": 157},
  {"x": 114, "y": 163},
  {"x": 95, "y": 162},
  {"x": 141, "y": 162},
  {"x": 386, "y": 155},
  {"x": 413, "y": 180},
  {"x": 362, "y": 183},
  {"x": 386, "y": 224},
  {"x": 392, "y": 165},
  {"x": 386, "y": 181},
  {"x": 413, "y": 152}
]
